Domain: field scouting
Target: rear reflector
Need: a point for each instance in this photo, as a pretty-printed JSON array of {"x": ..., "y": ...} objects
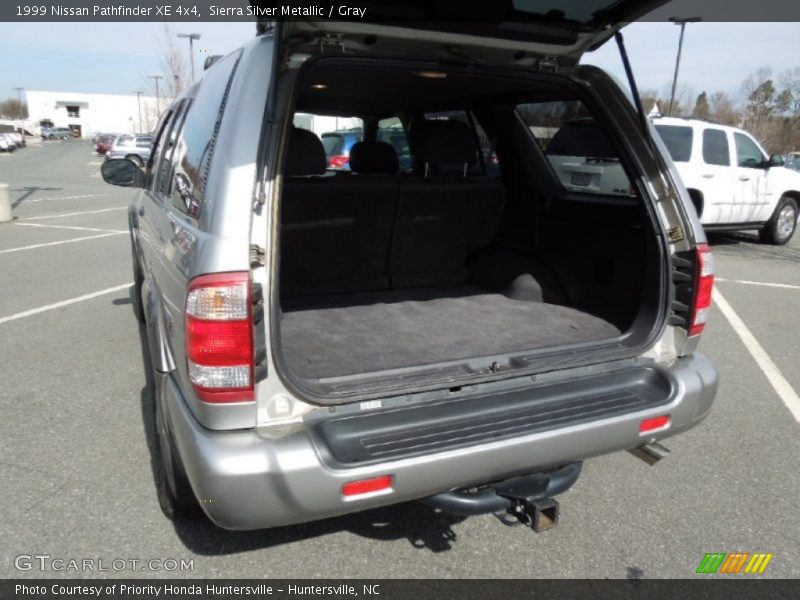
[
  {"x": 219, "y": 344},
  {"x": 367, "y": 486},
  {"x": 704, "y": 285},
  {"x": 653, "y": 423}
]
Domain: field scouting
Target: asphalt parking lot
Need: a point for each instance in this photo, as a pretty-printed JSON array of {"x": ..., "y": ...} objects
[{"x": 76, "y": 479}]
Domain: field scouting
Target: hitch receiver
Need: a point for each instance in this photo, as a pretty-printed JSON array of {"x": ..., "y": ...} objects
[{"x": 540, "y": 514}]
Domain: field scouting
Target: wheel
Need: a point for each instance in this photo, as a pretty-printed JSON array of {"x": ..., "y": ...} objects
[
  {"x": 175, "y": 495},
  {"x": 136, "y": 293},
  {"x": 780, "y": 228},
  {"x": 135, "y": 159}
]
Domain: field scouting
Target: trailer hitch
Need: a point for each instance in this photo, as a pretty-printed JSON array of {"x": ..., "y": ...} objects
[{"x": 529, "y": 504}]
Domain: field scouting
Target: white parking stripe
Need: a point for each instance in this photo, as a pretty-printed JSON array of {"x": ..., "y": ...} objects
[
  {"x": 765, "y": 284},
  {"x": 782, "y": 387},
  {"x": 65, "y": 198},
  {"x": 71, "y": 227},
  {"x": 80, "y": 239},
  {"x": 41, "y": 309},
  {"x": 74, "y": 214}
]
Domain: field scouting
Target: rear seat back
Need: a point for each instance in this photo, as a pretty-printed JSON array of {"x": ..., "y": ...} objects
[
  {"x": 335, "y": 230},
  {"x": 440, "y": 218}
]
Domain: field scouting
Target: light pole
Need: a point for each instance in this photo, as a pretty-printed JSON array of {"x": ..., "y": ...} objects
[
  {"x": 158, "y": 98},
  {"x": 191, "y": 37},
  {"x": 19, "y": 99},
  {"x": 139, "y": 103},
  {"x": 682, "y": 23}
]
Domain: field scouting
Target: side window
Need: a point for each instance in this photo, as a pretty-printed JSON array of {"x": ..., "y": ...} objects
[
  {"x": 338, "y": 134},
  {"x": 392, "y": 132},
  {"x": 748, "y": 153},
  {"x": 194, "y": 147},
  {"x": 678, "y": 140},
  {"x": 579, "y": 150},
  {"x": 170, "y": 136},
  {"x": 715, "y": 148},
  {"x": 155, "y": 155}
]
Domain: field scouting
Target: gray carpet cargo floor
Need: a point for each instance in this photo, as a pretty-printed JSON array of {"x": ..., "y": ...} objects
[{"x": 331, "y": 336}]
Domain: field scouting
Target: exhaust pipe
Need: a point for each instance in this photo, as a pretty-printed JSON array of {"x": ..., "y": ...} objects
[{"x": 650, "y": 453}]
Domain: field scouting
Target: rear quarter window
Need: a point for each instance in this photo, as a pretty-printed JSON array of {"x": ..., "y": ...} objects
[
  {"x": 195, "y": 146},
  {"x": 678, "y": 140},
  {"x": 715, "y": 148}
]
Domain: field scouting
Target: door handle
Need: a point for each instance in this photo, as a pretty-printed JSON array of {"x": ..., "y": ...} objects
[
  {"x": 744, "y": 178},
  {"x": 708, "y": 175}
]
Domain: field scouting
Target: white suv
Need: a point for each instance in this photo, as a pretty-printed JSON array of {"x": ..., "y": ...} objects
[{"x": 733, "y": 183}]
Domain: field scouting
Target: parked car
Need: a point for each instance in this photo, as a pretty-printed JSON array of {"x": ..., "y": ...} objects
[
  {"x": 133, "y": 147},
  {"x": 324, "y": 344},
  {"x": 104, "y": 143},
  {"x": 733, "y": 183},
  {"x": 56, "y": 133},
  {"x": 5, "y": 144},
  {"x": 337, "y": 146}
]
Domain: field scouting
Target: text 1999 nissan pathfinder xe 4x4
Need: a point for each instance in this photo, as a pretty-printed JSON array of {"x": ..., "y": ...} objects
[{"x": 464, "y": 330}]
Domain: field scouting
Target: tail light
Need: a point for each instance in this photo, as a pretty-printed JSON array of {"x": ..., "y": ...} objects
[
  {"x": 219, "y": 337},
  {"x": 704, "y": 285},
  {"x": 339, "y": 161}
]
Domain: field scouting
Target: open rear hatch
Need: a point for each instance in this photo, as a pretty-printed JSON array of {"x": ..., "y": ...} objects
[{"x": 550, "y": 33}]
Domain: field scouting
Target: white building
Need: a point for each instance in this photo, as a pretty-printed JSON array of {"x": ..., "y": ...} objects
[{"x": 87, "y": 114}]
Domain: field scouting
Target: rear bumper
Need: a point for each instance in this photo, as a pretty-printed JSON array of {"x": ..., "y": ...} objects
[{"x": 245, "y": 481}]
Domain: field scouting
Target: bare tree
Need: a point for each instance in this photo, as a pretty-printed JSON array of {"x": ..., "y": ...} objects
[
  {"x": 174, "y": 72},
  {"x": 722, "y": 109},
  {"x": 13, "y": 109}
]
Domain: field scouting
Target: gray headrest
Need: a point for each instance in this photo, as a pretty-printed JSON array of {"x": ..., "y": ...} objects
[
  {"x": 444, "y": 142},
  {"x": 305, "y": 155},
  {"x": 373, "y": 157}
]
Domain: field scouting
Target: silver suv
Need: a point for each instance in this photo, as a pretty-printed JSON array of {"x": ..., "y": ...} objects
[{"x": 465, "y": 331}]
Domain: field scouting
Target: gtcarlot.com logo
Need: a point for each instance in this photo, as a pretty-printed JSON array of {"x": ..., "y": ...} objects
[
  {"x": 734, "y": 562},
  {"x": 46, "y": 562}
]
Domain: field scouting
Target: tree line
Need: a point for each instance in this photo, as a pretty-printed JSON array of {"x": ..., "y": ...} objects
[{"x": 766, "y": 106}]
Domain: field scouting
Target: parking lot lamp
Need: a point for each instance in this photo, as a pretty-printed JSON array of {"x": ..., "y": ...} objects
[
  {"x": 19, "y": 99},
  {"x": 682, "y": 23},
  {"x": 191, "y": 37},
  {"x": 158, "y": 98},
  {"x": 139, "y": 103}
]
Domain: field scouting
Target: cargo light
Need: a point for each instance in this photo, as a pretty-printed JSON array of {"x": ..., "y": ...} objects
[
  {"x": 375, "y": 485},
  {"x": 219, "y": 337}
]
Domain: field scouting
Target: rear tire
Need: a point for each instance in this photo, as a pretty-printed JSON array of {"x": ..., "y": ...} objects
[
  {"x": 781, "y": 226},
  {"x": 175, "y": 496}
]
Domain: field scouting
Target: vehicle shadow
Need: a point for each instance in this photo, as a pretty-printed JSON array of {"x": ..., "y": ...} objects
[
  {"x": 731, "y": 238},
  {"x": 422, "y": 526},
  {"x": 28, "y": 191}
]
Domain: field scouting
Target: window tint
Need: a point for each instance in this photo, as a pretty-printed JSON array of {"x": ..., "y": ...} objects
[
  {"x": 715, "y": 148},
  {"x": 580, "y": 151},
  {"x": 392, "y": 132},
  {"x": 165, "y": 167},
  {"x": 155, "y": 155},
  {"x": 678, "y": 140},
  {"x": 747, "y": 153},
  {"x": 195, "y": 146}
]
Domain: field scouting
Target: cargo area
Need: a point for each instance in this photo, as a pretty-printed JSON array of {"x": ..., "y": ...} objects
[{"x": 450, "y": 235}]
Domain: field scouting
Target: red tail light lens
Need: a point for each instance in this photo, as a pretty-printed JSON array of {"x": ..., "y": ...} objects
[
  {"x": 704, "y": 285},
  {"x": 219, "y": 337},
  {"x": 338, "y": 162}
]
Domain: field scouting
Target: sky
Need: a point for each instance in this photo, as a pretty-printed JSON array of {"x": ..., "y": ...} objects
[{"x": 116, "y": 57}]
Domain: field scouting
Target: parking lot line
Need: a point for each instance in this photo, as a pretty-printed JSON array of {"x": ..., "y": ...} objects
[
  {"x": 764, "y": 283},
  {"x": 80, "y": 239},
  {"x": 41, "y": 309},
  {"x": 782, "y": 387},
  {"x": 74, "y": 214},
  {"x": 64, "y": 198},
  {"x": 71, "y": 227}
]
